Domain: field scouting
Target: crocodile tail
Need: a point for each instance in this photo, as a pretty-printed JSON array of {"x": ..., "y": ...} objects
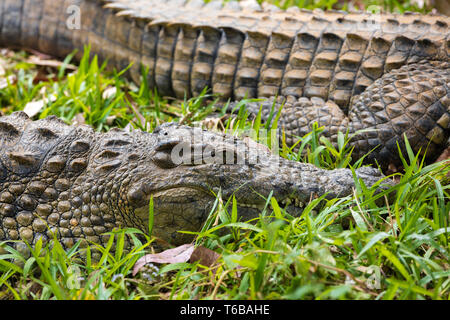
[
  {"x": 412, "y": 101},
  {"x": 56, "y": 27},
  {"x": 31, "y": 24},
  {"x": 236, "y": 50}
]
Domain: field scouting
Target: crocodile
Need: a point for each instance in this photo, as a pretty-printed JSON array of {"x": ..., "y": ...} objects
[
  {"x": 78, "y": 184},
  {"x": 386, "y": 73},
  {"x": 378, "y": 76}
]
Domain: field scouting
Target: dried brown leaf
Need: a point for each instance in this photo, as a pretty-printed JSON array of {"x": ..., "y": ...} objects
[
  {"x": 205, "y": 256},
  {"x": 34, "y": 107},
  {"x": 43, "y": 76},
  {"x": 109, "y": 92},
  {"x": 49, "y": 63},
  {"x": 213, "y": 124},
  {"x": 176, "y": 255},
  {"x": 4, "y": 81},
  {"x": 2, "y": 67},
  {"x": 139, "y": 115},
  {"x": 79, "y": 119},
  {"x": 40, "y": 55},
  {"x": 128, "y": 128}
]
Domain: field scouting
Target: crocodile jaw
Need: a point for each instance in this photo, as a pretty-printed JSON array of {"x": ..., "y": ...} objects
[{"x": 184, "y": 193}]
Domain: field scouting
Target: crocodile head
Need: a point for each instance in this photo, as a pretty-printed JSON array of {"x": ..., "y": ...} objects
[{"x": 184, "y": 169}]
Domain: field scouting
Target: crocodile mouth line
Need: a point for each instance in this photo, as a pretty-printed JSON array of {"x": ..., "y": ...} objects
[{"x": 188, "y": 194}]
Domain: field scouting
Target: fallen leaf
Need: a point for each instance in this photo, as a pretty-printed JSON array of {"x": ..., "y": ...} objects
[
  {"x": 176, "y": 255},
  {"x": 49, "y": 63},
  {"x": 42, "y": 76},
  {"x": 207, "y": 257},
  {"x": 445, "y": 155},
  {"x": 5, "y": 52},
  {"x": 128, "y": 128},
  {"x": 40, "y": 55},
  {"x": 110, "y": 120},
  {"x": 213, "y": 124},
  {"x": 109, "y": 92},
  {"x": 34, "y": 107},
  {"x": 2, "y": 67},
  {"x": 140, "y": 117},
  {"x": 79, "y": 119},
  {"x": 4, "y": 81}
]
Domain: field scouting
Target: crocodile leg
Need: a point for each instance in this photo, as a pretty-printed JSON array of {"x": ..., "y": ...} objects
[{"x": 413, "y": 100}]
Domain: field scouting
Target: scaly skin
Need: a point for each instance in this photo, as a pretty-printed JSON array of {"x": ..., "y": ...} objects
[
  {"x": 79, "y": 184},
  {"x": 353, "y": 71},
  {"x": 412, "y": 100}
]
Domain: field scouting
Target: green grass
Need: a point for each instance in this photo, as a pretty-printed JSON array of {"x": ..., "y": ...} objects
[{"x": 356, "y": 247}]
